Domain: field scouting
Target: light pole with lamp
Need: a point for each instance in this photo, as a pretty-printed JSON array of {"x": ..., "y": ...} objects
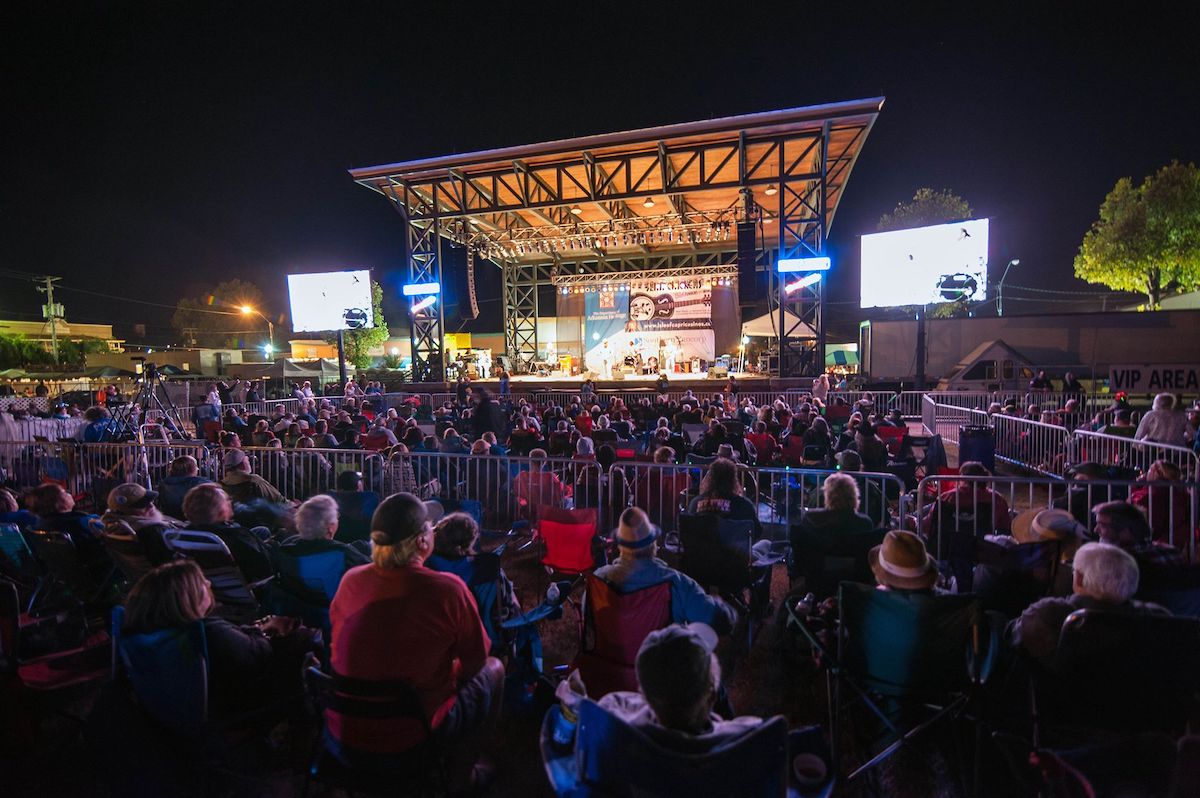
[
  {"x": 249, "y": 311},
  {"x": 1000, "y": 286}
]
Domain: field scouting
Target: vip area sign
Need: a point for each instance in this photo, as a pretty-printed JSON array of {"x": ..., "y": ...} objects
[{"x": 1154, "y": 378}]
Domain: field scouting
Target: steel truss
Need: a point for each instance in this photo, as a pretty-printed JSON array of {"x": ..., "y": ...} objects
[{"x": 660, "y": 201}]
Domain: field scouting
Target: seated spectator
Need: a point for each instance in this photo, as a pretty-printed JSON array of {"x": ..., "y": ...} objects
[
  {"x": 396, "y": 604},
  {"x": 1167, "y": 506},
  {"x": 872, "y": 501},
  {"x": 537, "y": 487},
  {"x": 249, "y": 667},
  {"x": 817, "y": 442},
  {"x": 242, "y": 485},
  {"x": 840, "y": 514},
  {"x": 763, "y": 442},
  {"x": 131, "y": 513},
  {"x": 379, "y": 437},
  {"x": 453, "y": 443},
  {"x": 1121, "y": 524},
  {"x": 11, "y": 512},
  {"x": 100, "y": 426},
  {"x": 971, "y": 507},
  {"x": 1105, "y": 577},
  {"x": 679, "y": 680},
  {"x": 1078, "y": 500},
  {"x": 637, "y": 567},
  {"x": 207, "y": 508},
  {"x": 183, "y": 474},
  {"x": 55, "y": 511},
  {"x": 262, "y": 433},
  {"x": 1164, "y": 423},
  {"x": 871, "y": 449},
  {"x": 355, "y": 507},
  {"x": 455, "y": 543},
  {"x": 722, "y": 493},
  {"x": 902, "y": 563},
  {"x": 316, "y": 526},
  {"x": 585, "y": 449}
]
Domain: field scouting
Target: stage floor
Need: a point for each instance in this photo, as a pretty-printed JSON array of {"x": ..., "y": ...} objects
[{"x": 678, "y": 382}]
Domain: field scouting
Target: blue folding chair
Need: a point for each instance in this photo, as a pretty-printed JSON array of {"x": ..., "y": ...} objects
[
  {"x": 168, "y": 671},
  {"x": 614, "y": 759},
  {"x": 480, "y": 573},
  {"x": 306, "y": 585}
]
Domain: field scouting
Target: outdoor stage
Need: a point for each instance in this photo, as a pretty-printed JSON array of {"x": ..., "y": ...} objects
[{"x": 698, "y": 384}]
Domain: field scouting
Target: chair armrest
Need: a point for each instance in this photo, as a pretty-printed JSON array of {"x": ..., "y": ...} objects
[
  {"x": 985, "y": 646},
  {"x": 261, "y": 583}
]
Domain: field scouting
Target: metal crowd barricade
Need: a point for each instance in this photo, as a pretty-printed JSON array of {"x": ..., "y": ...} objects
[
  {"x": 302, "y": 473},
  {"x": 29, "y": 429},
  {"x": 791, "y": 492},
  {"x": 946, "y": 420},
  {"x": 508, "y": 489},
  {"x": 1172, "y": 508},
  {"x": 1116, "y": 450},
  {"x": 1035, "y": 445}
]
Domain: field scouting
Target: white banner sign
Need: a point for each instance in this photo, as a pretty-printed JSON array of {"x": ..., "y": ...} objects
[{"x": 1155, "y": 378}]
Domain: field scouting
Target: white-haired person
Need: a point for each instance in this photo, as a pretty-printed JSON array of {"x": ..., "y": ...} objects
[
  {"x": 1164, "y": 423},
  {"x": 637, "y": 566},
  {"x": 1105, "y": 577},
  {"x": 838, "y": 516},
  {"x": 316, "y": 524},
  {"x": 397, "y": 620}
]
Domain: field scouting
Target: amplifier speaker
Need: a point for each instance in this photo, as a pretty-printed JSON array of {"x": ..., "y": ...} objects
[{"x": 749, "y": 289}]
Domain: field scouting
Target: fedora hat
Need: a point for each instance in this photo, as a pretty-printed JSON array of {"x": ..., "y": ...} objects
[{"x": 902, "y": 562}]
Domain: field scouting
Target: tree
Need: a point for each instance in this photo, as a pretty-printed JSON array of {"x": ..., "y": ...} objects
[
  {"x": 927, "y": 207},
  {"x": 359, "y": 343},
  {"x": 75, "y": 351},
  {"x": 215, "y": 319},
  {"x": 17, "y": 351},
  {"x": 1147, "y": 238}
]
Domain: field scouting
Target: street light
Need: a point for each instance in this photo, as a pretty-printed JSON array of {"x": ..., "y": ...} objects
[
  {"x": 249, "y": 311},
  {"x": 1000, "y": 286}
]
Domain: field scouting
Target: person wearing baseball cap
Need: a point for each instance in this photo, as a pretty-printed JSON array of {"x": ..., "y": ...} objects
[
  {"x": 637, "y": 566},
  {"x": 241, "y": 484},
  {"x": 132, "y": 514},
  {"x": 679, "y": 680},
  {"x": 397, "y": 620}
]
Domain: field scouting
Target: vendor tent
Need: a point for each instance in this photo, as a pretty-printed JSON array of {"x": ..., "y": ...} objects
[
  {"x": 767, "y": 326},
  {"x": 841, "y": 357}
]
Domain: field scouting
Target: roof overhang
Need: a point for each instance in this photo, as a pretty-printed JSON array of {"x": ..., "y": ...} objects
[{"x": 661, "y": 190}]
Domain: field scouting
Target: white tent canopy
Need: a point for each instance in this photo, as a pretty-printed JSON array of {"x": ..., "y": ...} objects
[{"x": 767, "y": 326}]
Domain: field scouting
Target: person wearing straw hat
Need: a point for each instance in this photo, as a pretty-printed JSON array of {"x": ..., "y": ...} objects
[
  {"x": 902, "y": 563},
  {"x": 637, "y": 566},
  {"x": 1038, "y": 525}
]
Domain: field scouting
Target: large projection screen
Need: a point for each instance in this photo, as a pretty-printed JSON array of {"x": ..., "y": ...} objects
[
  {"x": 330, "y": 301},
  {"x": 925, "y": 265}
]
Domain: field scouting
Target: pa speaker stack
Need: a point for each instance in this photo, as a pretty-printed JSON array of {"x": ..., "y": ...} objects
[{"x": 750, "y": 291}]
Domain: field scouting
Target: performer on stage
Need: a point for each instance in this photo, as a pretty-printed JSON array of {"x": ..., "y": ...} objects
[
  {"x": 606, "y": 360},
  {"x": 483, "y": 364},
  {"x": 672, "y": 354}
]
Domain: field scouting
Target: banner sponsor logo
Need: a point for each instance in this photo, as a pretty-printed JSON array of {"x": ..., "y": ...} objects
[{"x": 1171, "y": 377}]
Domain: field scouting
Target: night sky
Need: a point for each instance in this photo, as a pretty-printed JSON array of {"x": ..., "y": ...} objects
[{"x": 151, "y": 149}]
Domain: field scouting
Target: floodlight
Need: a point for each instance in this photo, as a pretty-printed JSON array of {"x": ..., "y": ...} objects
[{"x": 789, "y": 265}]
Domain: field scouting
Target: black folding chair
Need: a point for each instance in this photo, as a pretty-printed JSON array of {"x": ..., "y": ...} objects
[
  {"x": 127, "y": 555},
  {"x": 1010, "y": 578},
  {"x": 67, "y": 579},
  {"x": 826, "y": 560},
  {"x": 336, "y": 765},
  {"x": 1118, "y": 672},
  {"x": 717, "y": 554},
  {"x": 235, "y": 597}
]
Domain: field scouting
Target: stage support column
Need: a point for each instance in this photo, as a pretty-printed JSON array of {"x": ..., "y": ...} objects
[
  {"x": 425, "y": 266},
  {"x": 521, "y": 312}
]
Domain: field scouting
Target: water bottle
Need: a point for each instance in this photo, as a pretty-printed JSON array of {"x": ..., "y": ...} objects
[
  {"x": 805, "y": 607},
  {"x": 552, "y": 593}
]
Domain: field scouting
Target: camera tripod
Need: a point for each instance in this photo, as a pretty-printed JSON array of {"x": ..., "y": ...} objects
[{"x": 147, "y": 398}]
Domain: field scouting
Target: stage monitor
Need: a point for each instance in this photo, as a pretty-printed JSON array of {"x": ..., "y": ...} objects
[
  {"x": 330, "y": 301},
  {"x": 925, "y": 265}
]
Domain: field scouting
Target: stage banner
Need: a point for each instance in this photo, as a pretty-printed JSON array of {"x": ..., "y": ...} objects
[{"x": 650, "y": 326}]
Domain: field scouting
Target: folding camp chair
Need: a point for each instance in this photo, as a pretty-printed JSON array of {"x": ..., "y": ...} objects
[
  {"x": 127, "y": 555},
  {"x": 1118, "y": 672},
  {"x": 236, "y": 600},
  {"x": 343, "y": 701},
  {"x": 614, "y": 758},
  {"x": 168, "y": 672},
  {"x": 905, "y": 651},
  {"x": 306, "y": 585},
  {"x": 717, "y": 554},
  {"x": 480, "y": 573},
  {"x": 1175, "y": 587},
  {"x": 49, "y": 654},
  {"x": 67, "y": 579},
  {"x": 1009, "y": 578},
  {"x": 570, "y": 540},
  {"x": 826, "y": 560},
  {"x": 614, "y": 626}
]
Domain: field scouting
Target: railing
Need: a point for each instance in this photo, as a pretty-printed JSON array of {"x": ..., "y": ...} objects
[
  {"x": 29, "y": 429},
  {"x": 90, "y": 468},
  {"x": 1034, "y": 445},
  {"x": 1116, "y": 450},
  {"x": 977, "y": 506}
]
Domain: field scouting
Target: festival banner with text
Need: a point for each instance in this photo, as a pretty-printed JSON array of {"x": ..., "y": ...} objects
[{"x": 647, "y": 327}]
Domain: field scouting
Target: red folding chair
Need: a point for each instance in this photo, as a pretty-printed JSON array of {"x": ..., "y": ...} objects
[
  {"x": 615, "y": 625},
  {"x": 893, "y": 437},
  {"x": 567, "y": 537}
]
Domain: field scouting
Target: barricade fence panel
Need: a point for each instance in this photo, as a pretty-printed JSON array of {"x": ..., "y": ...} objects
[
  {"x": 954, "y": 507},
  {"x": 1122, "y": 452}
]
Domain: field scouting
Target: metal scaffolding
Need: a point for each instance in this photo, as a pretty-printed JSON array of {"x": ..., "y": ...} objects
[{"x": 661, "y": 202}]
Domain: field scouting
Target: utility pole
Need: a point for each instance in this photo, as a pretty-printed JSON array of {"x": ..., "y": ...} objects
[{"x": 52, "y": 312}]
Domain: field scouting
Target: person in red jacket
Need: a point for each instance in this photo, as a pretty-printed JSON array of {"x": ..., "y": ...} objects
[{"x": 396, "y": 620}]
